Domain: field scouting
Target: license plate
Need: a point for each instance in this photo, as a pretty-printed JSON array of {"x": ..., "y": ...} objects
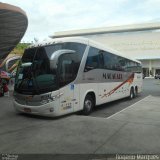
[{"x": 28, "y": 110}]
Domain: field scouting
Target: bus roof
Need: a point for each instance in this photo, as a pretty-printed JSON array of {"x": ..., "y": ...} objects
[{"x": 82, "y": 40}]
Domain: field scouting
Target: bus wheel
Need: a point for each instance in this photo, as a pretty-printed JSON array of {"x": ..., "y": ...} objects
[
  {"x": 131, "y": 96},
  {"x": 136, "y": 91},
  {"x": 88, "y": 105}
]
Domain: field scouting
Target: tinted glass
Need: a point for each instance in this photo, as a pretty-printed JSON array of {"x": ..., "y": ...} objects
[
  {"x": 113, "y": 62},
  {"x": 133, "y": 66},
  {"x": 118, "y": 63},
  {"x": 79, "y": 48},
  {"x": 94, "y": 59},
  {"x": 35, "y": 74},
  {"x": 68, "y": 68}
]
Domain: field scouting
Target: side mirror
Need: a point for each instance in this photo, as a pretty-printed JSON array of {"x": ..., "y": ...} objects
[
  {"x": 55, "y": 56},
  {"x": 28, "y": 64}
]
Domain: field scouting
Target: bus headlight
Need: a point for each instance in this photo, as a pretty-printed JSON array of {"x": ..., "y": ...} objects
[{"x": 46, "y": 98}]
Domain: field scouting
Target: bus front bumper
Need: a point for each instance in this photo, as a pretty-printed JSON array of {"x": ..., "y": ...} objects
[{"x": 43, "y": 110}]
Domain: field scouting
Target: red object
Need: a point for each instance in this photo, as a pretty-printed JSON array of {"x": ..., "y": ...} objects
[
  {"x": 5, "y": 87},
  {"x": 4, "y": 75}
]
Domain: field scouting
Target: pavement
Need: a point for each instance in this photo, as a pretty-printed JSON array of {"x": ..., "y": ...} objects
[
  {"x": 138, "y": 131},
  {"x": 134, "y": 130}
]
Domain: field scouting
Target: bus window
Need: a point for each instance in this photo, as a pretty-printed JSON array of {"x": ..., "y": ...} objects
[
  {"x": 110, "y": 61},
  {"x": 94, "y": 59},
  {"x": 68, "y": 69}
]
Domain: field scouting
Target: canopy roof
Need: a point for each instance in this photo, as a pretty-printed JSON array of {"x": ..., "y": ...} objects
[{"x": 13, "y": 24}]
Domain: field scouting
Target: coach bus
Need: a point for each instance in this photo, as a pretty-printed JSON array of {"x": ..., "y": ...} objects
[{"x": 73, "y": 74}]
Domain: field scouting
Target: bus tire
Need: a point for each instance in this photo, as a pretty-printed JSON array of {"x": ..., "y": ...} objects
[
  {"x": 132, "y": 95},
  {"x": 88, "y": 105},
  {"x": 136, "y": 91}
]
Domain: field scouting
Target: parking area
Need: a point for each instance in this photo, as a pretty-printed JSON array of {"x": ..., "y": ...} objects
[{"x": 135, "y": 128}]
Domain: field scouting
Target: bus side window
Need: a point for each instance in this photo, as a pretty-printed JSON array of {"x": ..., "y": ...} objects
[
  {"x": 93, "y": 60},
  {"x": 108, "y": 60},
  {"x": 113, "y": 62}
]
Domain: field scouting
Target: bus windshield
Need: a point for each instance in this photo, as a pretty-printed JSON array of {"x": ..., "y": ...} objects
[{"x": 34, "y": 73}]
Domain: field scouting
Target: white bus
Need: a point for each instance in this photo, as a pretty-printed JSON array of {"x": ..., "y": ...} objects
[{"x": 73, "y": 74}]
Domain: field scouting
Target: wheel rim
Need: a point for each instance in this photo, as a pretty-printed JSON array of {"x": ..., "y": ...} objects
[{"x": 88, "y": 105}]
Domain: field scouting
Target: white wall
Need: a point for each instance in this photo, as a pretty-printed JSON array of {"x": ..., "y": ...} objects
[{"x": 137, "y": 45}]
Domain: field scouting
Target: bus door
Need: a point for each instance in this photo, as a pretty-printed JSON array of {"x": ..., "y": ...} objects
[{"x": 67, "y": 76}]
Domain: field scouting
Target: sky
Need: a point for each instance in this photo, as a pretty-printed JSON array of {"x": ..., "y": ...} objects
[{"x": 46, "y": 17}]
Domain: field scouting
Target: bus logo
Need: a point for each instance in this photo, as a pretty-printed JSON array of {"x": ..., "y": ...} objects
[{"x": 112, "y": 76}]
